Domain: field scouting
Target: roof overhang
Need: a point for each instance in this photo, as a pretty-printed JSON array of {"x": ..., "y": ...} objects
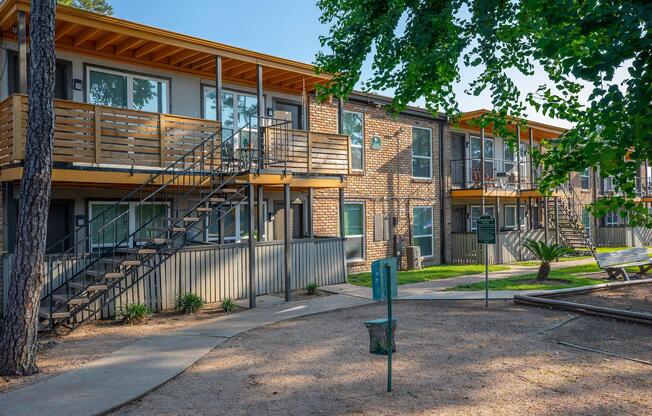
[
  {"x": 540, "y": 131},
  {"x": 117, "y": 39}
]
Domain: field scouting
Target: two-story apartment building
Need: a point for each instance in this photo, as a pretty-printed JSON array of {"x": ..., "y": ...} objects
[{"x": 171, "y": 151}]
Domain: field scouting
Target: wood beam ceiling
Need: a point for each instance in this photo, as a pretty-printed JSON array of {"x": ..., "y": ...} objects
[
  {"x": 107, "y": 40},
  {"x": 128, "y": 45},
  {"x": 63, "y": 30},
  {"x": 85, "y": 35}
]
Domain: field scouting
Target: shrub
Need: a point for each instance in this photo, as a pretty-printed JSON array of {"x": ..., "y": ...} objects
[
  {"x": 135, "y": 313},
  {"x": 189, "y": 303},
  {"x": 228, "y": 305},
  {"x": 311, "y": 289},
  {"x": 546, "y": 253}
]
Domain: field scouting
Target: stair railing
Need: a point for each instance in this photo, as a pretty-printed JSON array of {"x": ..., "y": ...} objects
[
  {"x": 186, "y": 175},
  {"x": 575, "y": 210}
]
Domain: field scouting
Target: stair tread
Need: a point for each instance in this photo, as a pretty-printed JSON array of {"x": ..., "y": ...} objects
[
  {"x": 44, "y": 312},
  {"x": 121, "y": 262},
  {"x": 153, "y": 240},
  {"x": 138, "y": 250},
  {"x": 71, "y": 300},
  {"x": 91, "y": 286},
  {"x": 103, "y": 273}
]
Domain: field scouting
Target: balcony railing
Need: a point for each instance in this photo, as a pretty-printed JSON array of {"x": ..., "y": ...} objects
[
  {"x": 87, "y": 134},
  {"x": 642, "y": 187},
  {"x": 498, "y": 174}
]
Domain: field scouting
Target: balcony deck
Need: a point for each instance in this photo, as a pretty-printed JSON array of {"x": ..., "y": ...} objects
[{"x": 123, "y": 146}]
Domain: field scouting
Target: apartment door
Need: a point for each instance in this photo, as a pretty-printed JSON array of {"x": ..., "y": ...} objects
[
  {"x": 458, "y": 159},
  {"x": 458, "y": 219},
  {"x": 59, "y": 225},
  {"x": 290, "y": 112},
  {"x": 296, "y": 220}
]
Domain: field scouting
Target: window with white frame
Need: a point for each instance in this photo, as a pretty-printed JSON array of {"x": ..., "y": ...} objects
[
  {"x": 611, "y": 219},
  {"x": 510, "y": 217},
  {"x": 354, "y": 230},
  {"x": 126, "y": 90},
  {"x": 421, "y": 153},
  {"x": 422, "y": 229},
  {"x": 353, "y": 125},
  {"x": 476, "y": 211},
  {"x": 237, "y": 110},
  {"x": 608, "y": 184},
  {"x": 112, "y": 224},
  {"x": 586, "y": 184}
]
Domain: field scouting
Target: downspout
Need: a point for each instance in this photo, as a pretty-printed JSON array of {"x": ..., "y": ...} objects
[{"x": 442, "y": 195}]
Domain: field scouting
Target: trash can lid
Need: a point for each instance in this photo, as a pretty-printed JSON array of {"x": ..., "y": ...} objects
[{"x": 380, "y": 321}]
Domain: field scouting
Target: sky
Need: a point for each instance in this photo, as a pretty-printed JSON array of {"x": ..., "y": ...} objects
[{"x": 285, "y": 28}]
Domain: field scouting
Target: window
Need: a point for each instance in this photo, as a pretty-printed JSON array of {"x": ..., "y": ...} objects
[
  {"x": 354, "y": 126},
  {"x": 422, "y": 229},
  {"x": 117, "y": 89},
  {"x": 611, "y": 219},
  {"x": 476, "y": 145},
  {"x": 115, "y": 225},
  {"x": 585, "y": 179},
  {"x": 421, "y": 153},
  {"x": 510, "y": 216},
  {"x": 475, "y": 214},
  {"x": 354, "y": 230},
  {"x": 236, "y": 224},
  {"x": 586, "y": 220},
  {"x": 608, "y": 184},
  {"x": 237, "y": 110}
]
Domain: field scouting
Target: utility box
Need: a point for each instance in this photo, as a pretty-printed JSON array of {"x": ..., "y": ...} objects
[{"x": 413, "y": 257}]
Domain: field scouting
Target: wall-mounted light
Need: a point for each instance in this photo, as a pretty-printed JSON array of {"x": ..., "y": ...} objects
[{"x": 77, "y": 84}]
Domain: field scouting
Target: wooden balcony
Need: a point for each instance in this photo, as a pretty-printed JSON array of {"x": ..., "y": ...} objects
[{"x": 115, "y": 140}]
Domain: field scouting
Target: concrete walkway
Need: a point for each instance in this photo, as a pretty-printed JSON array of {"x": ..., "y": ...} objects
[
  {"x": 436, "y": 289},
  {"x": 133, "y": 371}
]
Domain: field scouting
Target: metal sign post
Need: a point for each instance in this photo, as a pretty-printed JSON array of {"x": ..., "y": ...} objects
[
  {"x": 384, "y": 285},
  {"x": 486, "y": 232}
]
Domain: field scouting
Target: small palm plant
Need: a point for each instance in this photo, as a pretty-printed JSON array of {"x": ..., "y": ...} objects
[{"x": 546, "y": 253}]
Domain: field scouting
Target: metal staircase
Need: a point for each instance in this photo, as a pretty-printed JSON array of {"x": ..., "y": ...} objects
[
  {"x": 102, "y": 259},
  {"x": 568, "y": 216}
]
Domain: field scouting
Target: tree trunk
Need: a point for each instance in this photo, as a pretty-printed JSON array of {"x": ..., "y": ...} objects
[
  {"x": 544, "y": 271},
  {"x": 19, "y": 330}
]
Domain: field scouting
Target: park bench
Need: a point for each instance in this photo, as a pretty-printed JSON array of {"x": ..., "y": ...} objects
[{"x": 614, "y": 263}]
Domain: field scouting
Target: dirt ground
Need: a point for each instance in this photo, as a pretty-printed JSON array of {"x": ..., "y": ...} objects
[
  {"x": 633, "y": 298},
  {"x": 90, "y": 342},
  {"x": 452, "y": 358}
]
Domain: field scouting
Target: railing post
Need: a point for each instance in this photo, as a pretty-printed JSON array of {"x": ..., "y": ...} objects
[
  {"x": 17, "y": 125},
  {"x": 161, "y": 137},
  {"x": 309, "y": 152},
  {"x": 98, "y": 134}
]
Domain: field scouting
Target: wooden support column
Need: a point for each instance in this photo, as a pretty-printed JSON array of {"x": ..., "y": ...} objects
[
  {"x": 260, "y": 211},
  {"x": 498, "y": 253},
  {"x": 340, "y": 116},
  {"x": 545, "y": 219},
  {"x": 251, "y": 243},
  {"x": 218, "y": 88},
  {"x": 341, "y": 207},
  {"x": 556, "y": 220},
  {"x": 287, "y": 243},
  {"x": 261, "y": 114},
  {"x": 22, "y": 52},
  {"x": 531, "y": 137},
  {"x": 482, "y": 172},
  {"x": 311, "y": 213}
]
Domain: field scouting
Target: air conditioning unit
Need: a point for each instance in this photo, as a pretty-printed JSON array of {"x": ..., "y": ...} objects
[{"x": 413, "y": 257}]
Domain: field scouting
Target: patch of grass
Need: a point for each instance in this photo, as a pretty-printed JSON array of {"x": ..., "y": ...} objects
[
  {"x": 571, "y": 258},
  {"x": 228, "y": 305},
  {"x": 558, "y": 279},
  {"x": 136, "y": 313},
  {"x": 311, "y": 289},
  {"x": 428, "y": 273},
  {"x": 189, "y": 303}
]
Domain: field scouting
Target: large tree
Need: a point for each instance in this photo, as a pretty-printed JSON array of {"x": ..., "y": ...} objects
[
  {"x": 597, "y": 55},
  {"x": 19, "y": 327},
  {"x": 97, "y": 6}
]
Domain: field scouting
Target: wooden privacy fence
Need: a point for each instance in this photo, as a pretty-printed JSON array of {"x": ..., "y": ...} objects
[
  {"x": 611, "y": 236},
  {"x": 216, "y": 272},
  {"x": 86, "y": 133}
]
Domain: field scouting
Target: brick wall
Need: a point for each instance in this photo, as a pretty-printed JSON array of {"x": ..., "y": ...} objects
[{"x": 386, "y": 186}]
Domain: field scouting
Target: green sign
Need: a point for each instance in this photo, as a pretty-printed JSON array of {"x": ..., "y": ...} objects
[
  {"x": 382, "y": 272},
  {"x": 486, "y": 229}
]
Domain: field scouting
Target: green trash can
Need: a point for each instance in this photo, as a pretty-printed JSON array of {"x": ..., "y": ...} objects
[{"x": 378, "y": 336}]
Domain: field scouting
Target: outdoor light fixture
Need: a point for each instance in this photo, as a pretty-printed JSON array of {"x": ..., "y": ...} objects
[{"x": 77, "y": 84}]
